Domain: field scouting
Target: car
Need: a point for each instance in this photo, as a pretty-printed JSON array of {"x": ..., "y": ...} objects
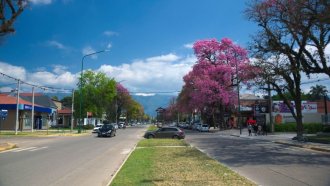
[
  {"x": 204, "y": 128},
  {"x": 166, "y": 132},
  {"x": 96, "y": 128},
  {"x": 107, "y": 130}
]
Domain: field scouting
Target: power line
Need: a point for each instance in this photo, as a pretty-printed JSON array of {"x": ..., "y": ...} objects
[
  {"x": 314, "y": 81},
  {"x": 33, "y": 85}
]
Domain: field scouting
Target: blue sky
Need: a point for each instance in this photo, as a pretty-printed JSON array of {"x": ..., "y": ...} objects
[{"x": 149, "y": 41}]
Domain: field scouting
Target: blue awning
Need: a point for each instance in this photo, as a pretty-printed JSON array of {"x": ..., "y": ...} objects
[{"x": 25, "y": 107}]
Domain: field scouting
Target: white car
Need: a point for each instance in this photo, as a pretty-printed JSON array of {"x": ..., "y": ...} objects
[
  {"x": 96, "y": 128},
  {"x": 204, "y": 128}
]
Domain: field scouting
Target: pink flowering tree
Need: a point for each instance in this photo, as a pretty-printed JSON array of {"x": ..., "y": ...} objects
[{"x": 211, "y": 85}]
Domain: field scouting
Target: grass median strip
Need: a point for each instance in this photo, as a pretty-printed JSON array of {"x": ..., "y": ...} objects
[{"x": 152, "y": 165}]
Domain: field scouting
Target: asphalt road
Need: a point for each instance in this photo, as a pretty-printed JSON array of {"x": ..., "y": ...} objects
[
  {"x": 84, "y": 160},
  {"x": 264, "y": 162}
]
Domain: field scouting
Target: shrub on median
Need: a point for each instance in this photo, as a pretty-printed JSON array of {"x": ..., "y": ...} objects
[{"x": 310, "y": 128}]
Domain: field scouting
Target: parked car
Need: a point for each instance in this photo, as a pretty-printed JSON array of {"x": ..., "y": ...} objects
[
  {"x": 106, "y": 130},
  {"x": 166, "y": 132},
  {"x": 96, "y": 128},
  {"x": 204, "y": 128}
]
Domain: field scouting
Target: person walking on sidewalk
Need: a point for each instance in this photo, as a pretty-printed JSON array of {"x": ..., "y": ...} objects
[{"x": 250, "y": 129}]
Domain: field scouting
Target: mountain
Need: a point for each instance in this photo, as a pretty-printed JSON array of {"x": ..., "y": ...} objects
[{"x": 151, "y": 103}]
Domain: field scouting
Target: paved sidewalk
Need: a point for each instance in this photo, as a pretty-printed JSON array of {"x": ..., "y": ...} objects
[{"x": 281, "y": 138}]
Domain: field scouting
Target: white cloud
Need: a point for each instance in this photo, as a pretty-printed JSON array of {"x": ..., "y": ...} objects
[
  {"x": 145, "y": 94},
  {"x": 163, "y": 58},
  {"x": 188, "y": 45},
  {"x": 56, "y": 44},
  {"x": 58, "y": 78},
  {"x": 109, "y": 46},
  {"x": 88, "y": 50},
  {"x": 13, "y": 71},
  {"x": 156, "y": 74},
  {"x": 110, "y": 33},
  {"x": 45, "y": 2}
]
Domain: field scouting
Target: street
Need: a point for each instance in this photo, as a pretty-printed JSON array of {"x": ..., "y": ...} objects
[
  {"x": 79, "y": 160},
  {"x": 265, "y": 162}
]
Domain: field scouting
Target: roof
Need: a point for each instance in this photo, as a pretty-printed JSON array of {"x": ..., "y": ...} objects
[
  {"x": 249, "y": 97},
  {"x": 9, "y": 99},
  {"x": 39, "y": 99},
  {"x": 65, "y": 111}
]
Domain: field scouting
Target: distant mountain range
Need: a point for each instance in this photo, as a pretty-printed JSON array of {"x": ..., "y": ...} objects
[{"x": 149, "y": 103}]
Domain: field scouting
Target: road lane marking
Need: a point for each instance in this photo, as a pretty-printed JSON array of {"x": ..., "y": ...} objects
[
  {"x": 38, "y": 149},
  {"x": 23, "y": 149},
  {"x": 31, "y": 149},
  {"x": 126, "y": 151}
]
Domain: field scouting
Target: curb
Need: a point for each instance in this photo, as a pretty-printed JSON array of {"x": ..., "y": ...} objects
[
  {"x": 114, "y": 175},
  {"x": 304, "y": 146},
  {"x": 7, "y": 146},
  {"x": 311, "y": 147}
]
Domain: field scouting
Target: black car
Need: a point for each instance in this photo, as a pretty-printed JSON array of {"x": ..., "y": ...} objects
[
  {"x": 106, "y": 130},
  {"x": 166, "y": 132}
]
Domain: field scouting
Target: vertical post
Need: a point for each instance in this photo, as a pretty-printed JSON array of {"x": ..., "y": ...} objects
[
  {"x": 325, "y": 109},
  {"x": 238, "y": 102},
  {"x": 72, "y": 110},
  {"x": 32, "y": 112},
  {"x": 17, "y": 105},
  {"x": 270, "y": 109}
]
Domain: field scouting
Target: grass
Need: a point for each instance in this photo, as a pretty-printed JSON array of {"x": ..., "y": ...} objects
[
  {"x": 38, "y": 133},
  {"x": 152, "y": 163},
  {"x": 152, "y": 128},
  {"x": 161, "y": 142},
  {"x": 319, "y": 139}
]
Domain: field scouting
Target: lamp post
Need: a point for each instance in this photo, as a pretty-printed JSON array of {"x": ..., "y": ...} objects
[
  {"x": 238, "y": 103},
  {"x": 81, "y": 76}
]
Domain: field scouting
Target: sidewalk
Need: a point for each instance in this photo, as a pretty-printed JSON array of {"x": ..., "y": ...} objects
[{"x": 280, "y": 138}]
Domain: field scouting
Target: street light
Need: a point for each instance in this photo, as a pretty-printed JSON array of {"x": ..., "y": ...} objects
[
  {"x": 81, "y": 75},
  {"x": 238, "y": 102}
]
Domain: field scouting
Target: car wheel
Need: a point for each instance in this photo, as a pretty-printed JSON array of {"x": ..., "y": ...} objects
[
  {"x": 98, "y": 135},
  {"x": 150, "y": 136},
  {"x": 176, "y": 137}
]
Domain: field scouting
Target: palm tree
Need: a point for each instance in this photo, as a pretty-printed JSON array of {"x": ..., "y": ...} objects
[{"x": 318, "y": 92}]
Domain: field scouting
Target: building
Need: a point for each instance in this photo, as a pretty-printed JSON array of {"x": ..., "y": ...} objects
[{"x": 42, "y": 114}]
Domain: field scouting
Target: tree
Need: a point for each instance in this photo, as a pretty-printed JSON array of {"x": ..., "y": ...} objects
[
  {"x": 318, "y": 92},
  {"x": 292, "y": 38},
  {"x": 210, "y": 85},
  {"x": 9, "y": 11},
  {"x": 300, "y": 28},
  {"x": 98, "y": 91},
  {"x": 67, "y": 101}
]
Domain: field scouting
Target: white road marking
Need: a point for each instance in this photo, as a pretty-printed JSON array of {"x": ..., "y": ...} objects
[
  {"x": 38, "y": 149},
  {"x": 23, "y": 149},
  {"x": 126, "y": 151}
]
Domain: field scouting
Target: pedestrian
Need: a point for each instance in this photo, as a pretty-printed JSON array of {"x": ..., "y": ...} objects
[
  {"x": 259, "y": 130},
  {"x": 250, "y": 129}
]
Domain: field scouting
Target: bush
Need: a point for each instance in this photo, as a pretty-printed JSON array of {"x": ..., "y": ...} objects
[
  {"x": 326, "y": 128},
  {"x": 287, "y": 127},
  {"x": 88, "y": 127},
  {"x": 310, "y": 128}
]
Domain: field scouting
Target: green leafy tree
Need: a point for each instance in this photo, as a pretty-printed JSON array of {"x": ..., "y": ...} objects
[
  {"x": 98, "y": 91},
  {"x": 318, "y": 92},
  {"x": 67, "y": 101}
]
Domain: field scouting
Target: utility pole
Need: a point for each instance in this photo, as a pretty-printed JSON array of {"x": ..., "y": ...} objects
[
  {"x": 32, "y": 112},
  {"x": 17, "y": 105},
  {"x": 270, "y": 109},
  {"x": 72, "y": 110}
]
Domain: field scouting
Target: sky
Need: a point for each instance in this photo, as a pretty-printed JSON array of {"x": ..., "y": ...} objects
[{"x": 148, "y": 43}]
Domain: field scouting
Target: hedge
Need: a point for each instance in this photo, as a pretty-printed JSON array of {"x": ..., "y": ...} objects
[{"x": 310, "y": 128}]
